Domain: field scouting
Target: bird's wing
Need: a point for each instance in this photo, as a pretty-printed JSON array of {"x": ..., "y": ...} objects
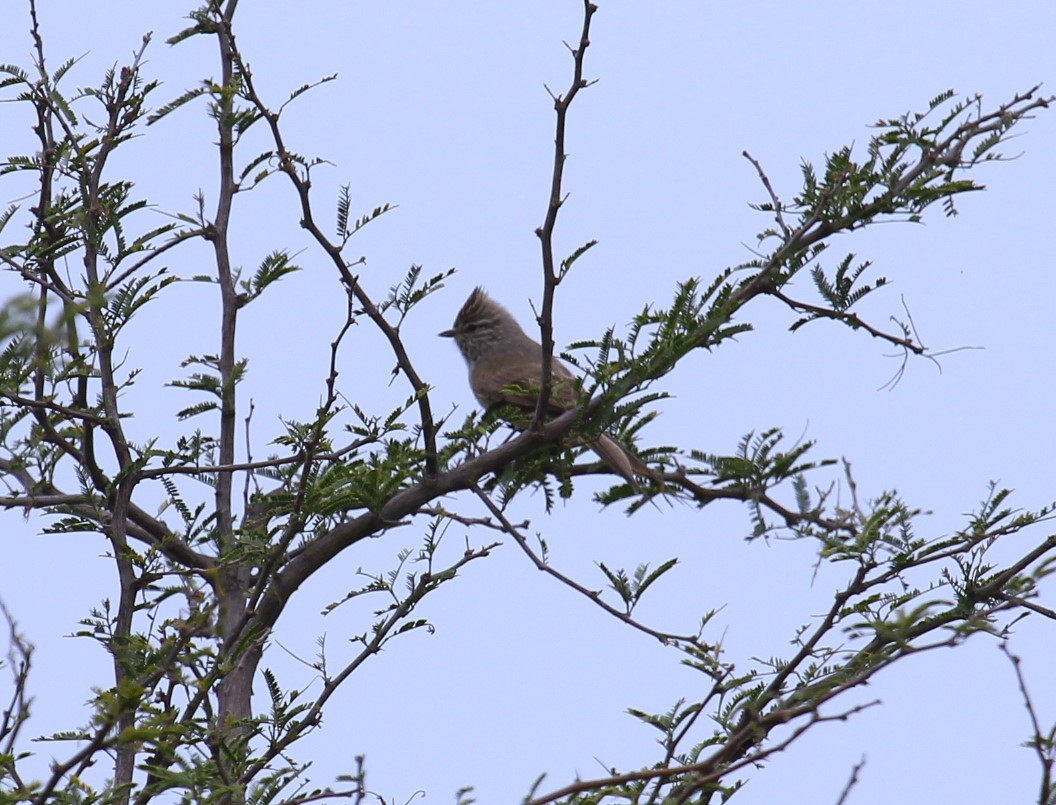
[{"x": 510, "y": 383}]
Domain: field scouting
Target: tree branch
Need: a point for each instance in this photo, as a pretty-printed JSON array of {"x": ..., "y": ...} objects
[
  {"x": 302, "y": 188},
  {"x": 1044, "y": 746},
  {"x": 546, "y": 231},
  {"x": 667, "y": 638}
]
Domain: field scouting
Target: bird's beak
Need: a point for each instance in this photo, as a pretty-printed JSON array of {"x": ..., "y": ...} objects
[{"x": 447, "y": 334}]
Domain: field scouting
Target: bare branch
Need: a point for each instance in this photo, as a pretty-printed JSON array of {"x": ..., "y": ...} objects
[
  {"x": 333, "y": 251},
  {"x": 1044, "y": 745},
  {"x": 666, "y": 638},
  {"x": 546, "y": 231},
  {"x": 852, "y": 782},
  {"x": 778, "y": 207},
  {"x": 20, "y": 658},
  {"x": 381, "y": 634}
]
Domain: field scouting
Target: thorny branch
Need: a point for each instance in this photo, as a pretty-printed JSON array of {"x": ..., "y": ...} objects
[
  {"x": 1043, "y": 744},
  {"x": 779, "y": 208},
  {"x": 664, "y": 637},
  {"x": 381, "y": 634},
  {"x": 702, "y": 496},
  {"x": 302, "y": 186},
  {"x": 312, "y": 453},
  {"x": 794, "y": 691},
  {"x": 14, "y": 716},
  {"x": 852, "y": 320},
  {"x": 546, "y": 231},
  {"x": 852, "y": 781},
  {"x": 948, "y": 151},
  {"x": 698, "y": 776}
]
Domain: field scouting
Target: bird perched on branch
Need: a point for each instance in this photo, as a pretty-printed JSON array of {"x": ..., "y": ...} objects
[{"x": 505, "y": 367}]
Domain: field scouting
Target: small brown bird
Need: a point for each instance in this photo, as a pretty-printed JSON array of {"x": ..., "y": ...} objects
[{"x": 505, "y": 366}]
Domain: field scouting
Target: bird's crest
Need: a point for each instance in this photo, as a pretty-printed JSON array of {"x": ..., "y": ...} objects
[{"x": 478, "y": 306}]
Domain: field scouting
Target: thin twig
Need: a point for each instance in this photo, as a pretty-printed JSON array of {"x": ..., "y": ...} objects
[
  {"x": 249, "y": 454},
  {"x": 1043, "y": 746},
  {"x": 556, "y": 200},
  {"x": 1027, "y": 604},
  {"x": 334, "y": 252},
  {"x": 20, "y": 659},
  {"x": 700, "y": 774},
  {"x": 778, "y": 207},
  {"x": 851, "y": 320},
  {"x": 852, "y": 782},
  {"x": 668, "y": 638},
  {"x": 703, "y": 495},
  {"x": 380, "y": 635}
]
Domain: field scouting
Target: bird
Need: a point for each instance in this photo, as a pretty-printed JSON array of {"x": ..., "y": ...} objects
[{"x": 505, "y": 367}]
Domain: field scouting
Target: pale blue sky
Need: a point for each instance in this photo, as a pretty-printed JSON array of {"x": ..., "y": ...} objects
[{"x": 440, "y": 108}]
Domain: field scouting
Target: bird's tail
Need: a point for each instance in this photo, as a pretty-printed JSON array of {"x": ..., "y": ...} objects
[{"x": 621, "y": 460}]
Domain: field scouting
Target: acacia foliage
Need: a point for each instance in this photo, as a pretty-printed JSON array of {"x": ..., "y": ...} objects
[{"x": 201, "y": 582}]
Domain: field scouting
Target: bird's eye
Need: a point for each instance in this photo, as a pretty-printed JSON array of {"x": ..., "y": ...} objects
[{"x": 471, "y": 327}]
